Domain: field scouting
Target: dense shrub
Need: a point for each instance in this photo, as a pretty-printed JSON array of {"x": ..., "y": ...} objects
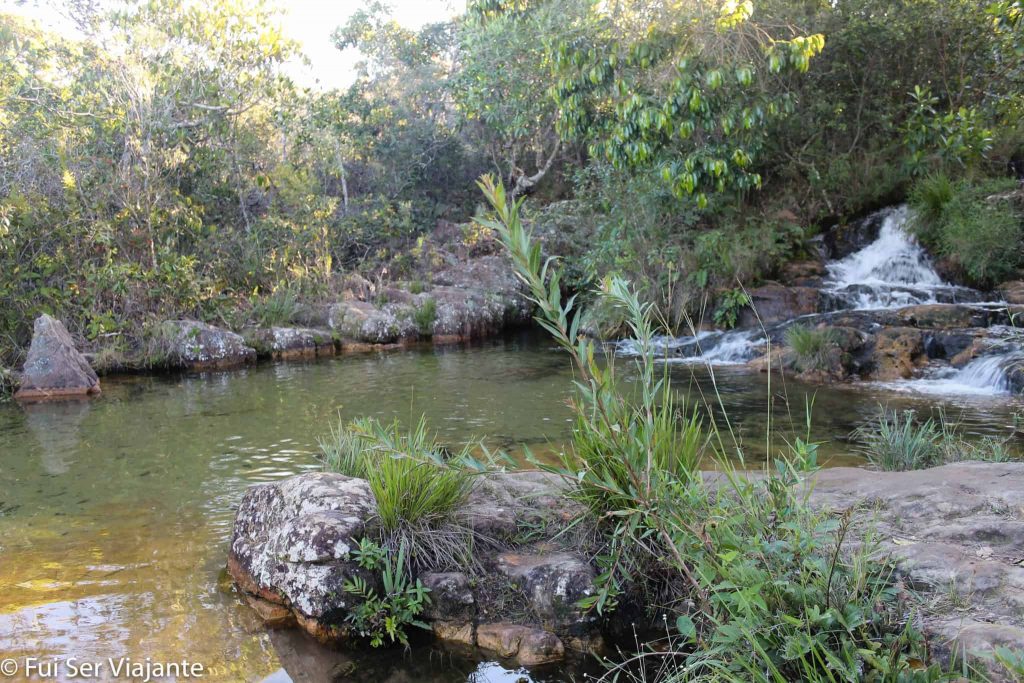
[{"x": 977, "y": 226}]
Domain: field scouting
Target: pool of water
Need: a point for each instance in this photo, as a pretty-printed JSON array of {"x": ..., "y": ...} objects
[{"x": 115, "y": 513}]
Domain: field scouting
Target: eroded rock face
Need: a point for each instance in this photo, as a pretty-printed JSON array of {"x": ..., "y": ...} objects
[
  {"x": 199, "y": 346},
  {"x": 554, "y": 583},
  {"x": 898, "y": 351},
  {"x": 54, "y": 368},
  {"x": 956, "y": 532}
]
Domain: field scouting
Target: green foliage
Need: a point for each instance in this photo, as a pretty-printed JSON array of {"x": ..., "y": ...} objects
[
  {"x": 692, "y": 97},
  {"x": 730, "y": 303},
  {"x": 419, "y": 487},
  {"x": 812, "y": 347},
  {"x": 969, "y": 223},
  {"x": 751, "y": 583},
  {"x": 955, "y": 137},
  {"x": 279, "y": 308},
  {"x": 389, "y": 613},
  {"x": 425, "y": 316}
]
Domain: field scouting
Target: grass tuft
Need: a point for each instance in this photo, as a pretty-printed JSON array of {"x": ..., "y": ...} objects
[
  {"x": 812, "y": 348},
  {"x": 420, "y": 488}
]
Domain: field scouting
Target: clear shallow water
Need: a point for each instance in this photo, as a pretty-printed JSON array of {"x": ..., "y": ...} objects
[{"x": 115, "y": 513}]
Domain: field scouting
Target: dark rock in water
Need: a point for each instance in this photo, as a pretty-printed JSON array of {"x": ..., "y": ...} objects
[
  {"x": 847, "y": 238},
  {"x": 528, "y": 646},
  {"x": 198, "y": 346},
  {"x": 554, "y": 583},
  {"x": 54, "y": 368},
  {"x": 451, "y": 597},
  {"x": 773, "y": 303}
]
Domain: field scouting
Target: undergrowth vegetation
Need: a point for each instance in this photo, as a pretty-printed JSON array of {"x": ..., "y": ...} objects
[
  {"x": 750, "y": 582},
  {"x": 977, "y": 226}
]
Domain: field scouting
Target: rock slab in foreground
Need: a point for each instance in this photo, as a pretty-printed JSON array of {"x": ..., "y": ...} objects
[
  {"x": 956, "y": 533},
  {"x": 54, "y": 368}
]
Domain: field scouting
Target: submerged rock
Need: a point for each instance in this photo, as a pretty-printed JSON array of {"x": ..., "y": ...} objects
[
  {"x": 199, "y": 346},
  {"x": 54, "y": 368}
]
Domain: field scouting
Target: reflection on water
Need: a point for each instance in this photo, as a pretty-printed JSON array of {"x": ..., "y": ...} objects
[{"x": 115, "y": 513}]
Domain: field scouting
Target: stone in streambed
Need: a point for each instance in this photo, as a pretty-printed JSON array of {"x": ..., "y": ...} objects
[
  {"x": 528, "y": 646},
  {"x": 292, "y": 542},
  {"x": 54, "y": 368}
]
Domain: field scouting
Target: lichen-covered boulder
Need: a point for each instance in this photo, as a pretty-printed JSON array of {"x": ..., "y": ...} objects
[
  {"x": 283, "y": 343},
  {"x": 365, "y": 323},
  {"x": 477, "y": 298},
  {"x": 291, "y": 547},
  {"x": 54, "y": 368},
  {"x": 199, "y": 346}
]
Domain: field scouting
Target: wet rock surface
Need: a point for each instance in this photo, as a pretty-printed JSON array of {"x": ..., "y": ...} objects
[
  {"x": 54, "y": 368},
  {"x": 284, "y": 343}
]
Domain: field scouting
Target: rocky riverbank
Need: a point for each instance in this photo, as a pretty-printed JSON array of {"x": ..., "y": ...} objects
[
  {"x": 465, "y": 299},
  {"x": 956, "y": 534}
]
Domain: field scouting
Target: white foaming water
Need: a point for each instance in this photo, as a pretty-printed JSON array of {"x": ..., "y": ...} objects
[
  {"x": 713, "y": 348},
  {"x": 984, "y": 376},
  {"x": 890, "y": 272}
]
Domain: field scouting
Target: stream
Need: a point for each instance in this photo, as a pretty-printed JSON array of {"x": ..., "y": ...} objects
[{"x": 115, "y": 514}]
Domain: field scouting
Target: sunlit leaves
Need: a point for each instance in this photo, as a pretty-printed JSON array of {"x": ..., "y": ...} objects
[{"x": 694, "y": 89}]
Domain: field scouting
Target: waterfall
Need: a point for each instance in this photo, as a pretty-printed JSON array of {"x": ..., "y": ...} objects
[
  {"x": 891, "y": 272},
  {"x": 715, "y": 348},
  {"x": 988, "y": 375}
]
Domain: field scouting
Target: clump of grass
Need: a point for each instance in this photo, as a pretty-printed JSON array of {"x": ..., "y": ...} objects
[
  {"x": 812, "y": 348},
  {"x": 280, "y": 308},
  {"x": 8, "y": 385},
  {"x": 420, "y": 488},
  {"x": 897, "y": 441},
  {"x": 929, "y": 197},
  {"x": 424, "y": 317},
  {"x": 417, "y": 287}
]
